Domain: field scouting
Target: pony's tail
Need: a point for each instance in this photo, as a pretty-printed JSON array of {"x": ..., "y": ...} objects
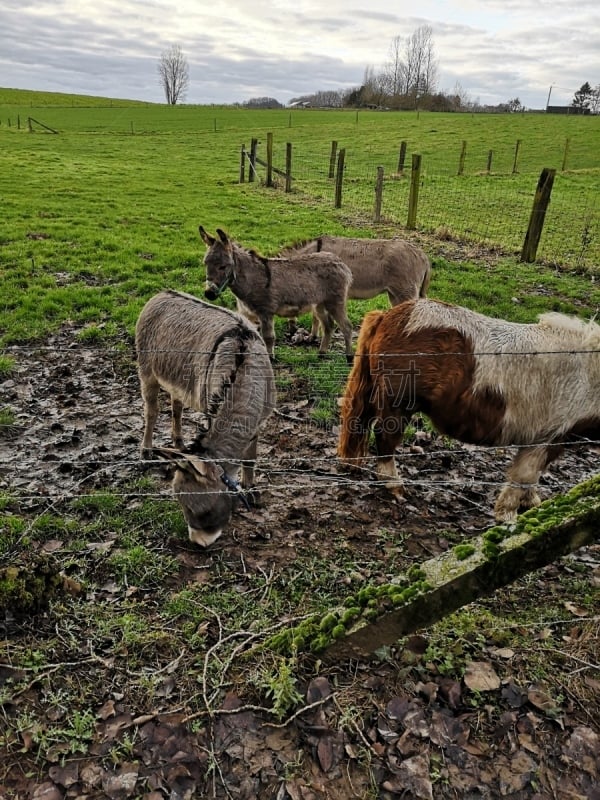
[
  {"x": 357, "y": 408},
  {"x": 426, "y": 282}
]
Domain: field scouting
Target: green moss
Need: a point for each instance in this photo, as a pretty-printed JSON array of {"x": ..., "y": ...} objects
[
  {"x": 490, "y": 550},
  {"x": 328, "y": 622},
  {"x": 29, "y": 588},
  {"x": 495, "y": 535},
  {"x": 415, "y": 573},
  {"x": 463, "y": 551},
  {"x": 371, "y": 602},
  {"x": 338, "y": 632}
]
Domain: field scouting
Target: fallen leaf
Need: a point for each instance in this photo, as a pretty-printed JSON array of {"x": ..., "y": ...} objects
[
  {"x": 503, "y": 652},
  {"x": 514, "y": 695},
  {"x": 542, "y": 700},
  {"x": 480, "y": 676},
  {"x": 47, "y": 791},
  {"x": 578, "y": 611},
  {"x": 412, "y": 779},
  {"x": 325, "y": 753},
  {"x": 318, "y": 689}
]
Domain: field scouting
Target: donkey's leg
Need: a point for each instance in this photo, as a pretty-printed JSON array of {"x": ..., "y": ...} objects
[
  {"x": 395, "y": 298},
  {"x": 327, "y": 325},
  {"x": 249, "y": 456},
  {"x": 267, "y": 331},
  {"x": 523, "y": 474},
  {"x": 150, "y": 389},
  {"x": 340, "y": 315},
  {"x": 176, "y": 412},
  {"x": 314, "y": 328}
]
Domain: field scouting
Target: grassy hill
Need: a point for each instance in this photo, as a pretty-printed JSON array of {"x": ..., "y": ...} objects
[{"x": 35, "y": 99}]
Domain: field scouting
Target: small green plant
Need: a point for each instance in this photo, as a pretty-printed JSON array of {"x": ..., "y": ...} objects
[
  {"x": 123, "y": 750},
  {"x": 280, "y": 686},
  {"x": 7, "y": 364},
  {"x": 7, "y": 417},
  {"x": 140, "y": 566}
]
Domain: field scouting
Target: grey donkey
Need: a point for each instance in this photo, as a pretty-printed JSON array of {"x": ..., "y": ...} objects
[
  {"x": 284, "y": 287},
  {"x": 213, "y": 361}
]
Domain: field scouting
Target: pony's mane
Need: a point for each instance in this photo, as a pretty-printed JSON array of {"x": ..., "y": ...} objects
[{"x": 589, "y": 331}]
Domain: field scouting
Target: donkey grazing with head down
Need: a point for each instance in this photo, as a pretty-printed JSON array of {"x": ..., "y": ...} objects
[
  {"x": 480, "y": 380},
  {"x": 280, "y": 286},
  {"x": 213, "y": 361}
]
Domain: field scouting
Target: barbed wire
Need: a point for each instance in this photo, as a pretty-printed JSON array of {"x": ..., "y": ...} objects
[
  {"x": 328, "y": 479},
  {"x": 323, "y": 357}
]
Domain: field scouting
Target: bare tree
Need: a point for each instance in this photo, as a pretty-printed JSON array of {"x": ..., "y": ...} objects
[
  {"x": 420, "y": 63},
  {"x": 395, "y": 68},
  {"x": 373, "y": 88},
  {"x": 173, "y": 74},
  {"x": 411, "y": 71},
  {"x": 595, "y": 100}
]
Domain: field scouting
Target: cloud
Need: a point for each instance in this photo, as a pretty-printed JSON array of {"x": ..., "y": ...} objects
[{"x": 236, "y": 51}]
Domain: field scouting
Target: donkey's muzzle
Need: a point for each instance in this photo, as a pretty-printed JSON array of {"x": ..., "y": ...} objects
[{"x": 211, "y": 293}]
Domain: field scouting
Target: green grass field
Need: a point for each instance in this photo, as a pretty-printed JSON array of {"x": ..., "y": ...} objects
[{"x": 97, "y": 218}]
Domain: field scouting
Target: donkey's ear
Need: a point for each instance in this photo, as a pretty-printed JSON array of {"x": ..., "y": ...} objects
[
  {"x": 222, "y": 236},
  {"x": 206, "y": 237},
  {"x": 188, "y": 463}
]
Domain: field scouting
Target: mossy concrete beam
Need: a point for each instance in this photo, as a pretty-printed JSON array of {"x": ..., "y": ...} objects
[{"x": 495, "y": 559}]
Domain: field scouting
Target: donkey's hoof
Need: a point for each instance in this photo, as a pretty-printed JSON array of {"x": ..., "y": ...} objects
[{"x": 146, "y": 453}]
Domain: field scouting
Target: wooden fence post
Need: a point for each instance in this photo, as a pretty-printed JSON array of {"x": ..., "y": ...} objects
[
  {"x": 461, "y": 160},
  {"x": 538, "y": 215},
  {"x": 565, "y": 155},
  {"x": 401, "y": 157},
  {"x": 288, "y": 167},
  {"x": 339, "y": 178},
  {"x": 243, "y": 165},
  {"x": 413, "y": 198},
  {"x": 332, "y": 159},
  {"x": 489, "y": 161},
  {"x": 252, "y": 160},
  {"x": 516, "y": 161},
  {"x": 269, "y": 181},
  {"x": 378, "y": 194}
]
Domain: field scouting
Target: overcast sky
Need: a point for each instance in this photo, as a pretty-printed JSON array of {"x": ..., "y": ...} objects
[{"x": 236, "y": 49}]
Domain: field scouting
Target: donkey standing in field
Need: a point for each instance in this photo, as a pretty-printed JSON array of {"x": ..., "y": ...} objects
[
  {"x": 283, "y": 286},
  {"x": 213, "y": 361},
  {"x": 482, "y": 381},
  {"x": 395, "y": 266}
]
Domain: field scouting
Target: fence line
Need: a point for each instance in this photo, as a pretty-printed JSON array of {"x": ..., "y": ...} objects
[{"x": 484, "y": 206}]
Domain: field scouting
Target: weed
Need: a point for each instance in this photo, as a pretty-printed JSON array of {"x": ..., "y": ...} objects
[
  {"x": 279, "y": 683},
  {"x": 7, "y": 417},
  {"x": 141, "y": 567},
  {"x": 7, "y": 364}
]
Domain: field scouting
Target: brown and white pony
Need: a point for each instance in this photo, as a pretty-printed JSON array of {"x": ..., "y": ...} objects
[{"x": 480, "y": 380}]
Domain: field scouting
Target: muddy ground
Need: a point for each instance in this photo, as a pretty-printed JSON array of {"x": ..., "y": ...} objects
[{"x": 400, "y": 726}]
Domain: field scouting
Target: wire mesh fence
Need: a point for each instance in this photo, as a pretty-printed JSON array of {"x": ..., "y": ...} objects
[{"x": 481, "y": 197}]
